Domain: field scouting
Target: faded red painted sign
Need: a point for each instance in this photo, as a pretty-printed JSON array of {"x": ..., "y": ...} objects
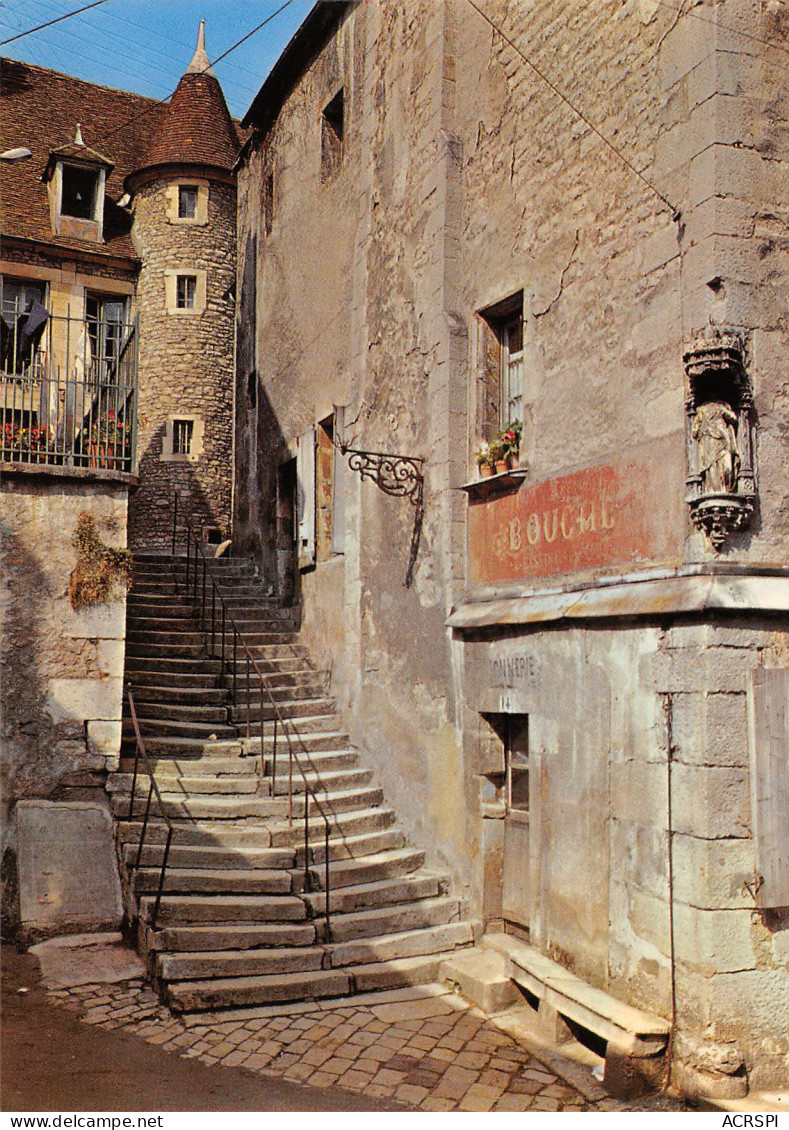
[{"x": 617, "y": 513}]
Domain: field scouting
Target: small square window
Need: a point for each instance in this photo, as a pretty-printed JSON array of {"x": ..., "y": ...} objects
[
  {"x": 332, "y": 136},
  {"x": 183, "y": 434},
  {"x": 79, "y": 193},
  {"x": 186, "y": 292},
  {"x": 187, "y": 201}
]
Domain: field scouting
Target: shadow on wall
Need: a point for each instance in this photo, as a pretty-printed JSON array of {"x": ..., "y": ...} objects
[
  {"x": 43, "y": 757},
  {"x": 151, "y": 504}
]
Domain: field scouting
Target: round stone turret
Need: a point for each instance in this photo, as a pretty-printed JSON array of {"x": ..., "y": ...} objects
[{"x": 184, "y": 202}]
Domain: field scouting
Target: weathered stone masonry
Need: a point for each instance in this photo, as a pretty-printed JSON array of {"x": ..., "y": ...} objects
[
  {"x": 465, "y": 182},
  {"x": 186, "y": 361}
]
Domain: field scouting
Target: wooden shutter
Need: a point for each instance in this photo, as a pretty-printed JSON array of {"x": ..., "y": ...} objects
[
  {"x": 768, "y": 732},
  {"x": 338, "y": 486},
  {"x": 305, "y": 498}
]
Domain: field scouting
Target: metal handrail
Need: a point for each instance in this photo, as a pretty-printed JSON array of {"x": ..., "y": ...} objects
[
  {"x": 153, "y": 788},
  {"x": 227, "y": 618}
]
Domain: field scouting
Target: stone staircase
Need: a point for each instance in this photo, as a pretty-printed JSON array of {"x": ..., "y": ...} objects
[{"x": 236, "y": 926}]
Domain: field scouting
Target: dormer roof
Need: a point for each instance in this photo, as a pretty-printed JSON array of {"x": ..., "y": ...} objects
[{"x": 78, "y": 152}]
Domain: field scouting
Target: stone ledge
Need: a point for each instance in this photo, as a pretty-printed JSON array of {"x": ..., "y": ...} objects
[
  {"x": 83, "y": 474},
  {"x": 676, "y": 595},
  {"x": 493, "y": 485},
  {"x": 635, "y": 1032}
]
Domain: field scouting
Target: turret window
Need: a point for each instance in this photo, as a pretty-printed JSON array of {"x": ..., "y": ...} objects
[
  {"x": 186, "y": 291},
  {"x": 187, "y": 201}
]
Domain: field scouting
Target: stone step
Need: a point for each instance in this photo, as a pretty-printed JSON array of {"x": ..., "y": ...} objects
[
  {"x": 392, "y": 919},
  {"x": 356, "y": 821},
  {"x": 403, "y": 944},
  {"x": 166, "y": 768},
  {"x": 287, "y": 707},
  {"x": 176, "y": 910},
  {"x": 300, "y": 726},
  {"x": 183, "y": 636},
  {"x": 351, "y": 847},
  {"x": 384, "y": 892},
  {"x": 212, "y": 857},
  {"x": 370, "y": 868},
  {"x": 182, "y": 651},
  {"x": 216, "y": 964},
  {"x": 335, "y": 803},
  {"x": 182, "y": 748},
  {"x": 320, "y": 783},
  {"x": 210, "y": 939},
  {"x": 239, "y": 992},
  {"x": 199, "y": 807},
  {"x": 220, "y": 834},
  {"x": 175, "y": 711},
  {"x": 164, "y": 728},
  {"x": 319, "y": 761},
  {"x": 147, "y": 692},
  {"x": 193, "y": 881},
  {"x": 206, "y": 785}
]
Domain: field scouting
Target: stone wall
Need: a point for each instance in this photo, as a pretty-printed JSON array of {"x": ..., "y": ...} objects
[
  {"x": 466, "y": 181},
  {"x": 185, "y": 363},
  {"x": 61, "y": 671}
]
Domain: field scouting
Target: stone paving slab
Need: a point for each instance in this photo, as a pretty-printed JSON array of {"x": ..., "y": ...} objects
[
  {"x": 423, "y": 1047},
  {"x": 81, "y": 959}
]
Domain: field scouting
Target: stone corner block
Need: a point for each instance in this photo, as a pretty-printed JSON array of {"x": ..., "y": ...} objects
[
  {"x": 104, "y": 737},
  {"x": 68, "y": 875}
]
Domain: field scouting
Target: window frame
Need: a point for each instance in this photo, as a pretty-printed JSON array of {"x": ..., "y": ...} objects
[
  {"x": 511, "y": 405},
  {"x": 69, "y": 169},
  {"x": 183, "y": 435},
  {"x": 521, "y": 723},
  {"x": 189, "y": 299},
  {"x": 194, "y": 191}
]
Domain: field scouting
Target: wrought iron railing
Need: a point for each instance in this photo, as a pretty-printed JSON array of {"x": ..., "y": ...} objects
[
  {"x": 68, "y": 392},
  {"x": 153, "y": 790},
  {"x": 216, "y": 621}
]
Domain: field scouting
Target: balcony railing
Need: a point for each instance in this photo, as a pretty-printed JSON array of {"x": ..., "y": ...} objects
[{"x": 68, "y": 392}]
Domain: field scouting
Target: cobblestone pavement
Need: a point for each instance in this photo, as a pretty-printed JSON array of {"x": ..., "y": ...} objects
[{"x": 423, "y": 1047}]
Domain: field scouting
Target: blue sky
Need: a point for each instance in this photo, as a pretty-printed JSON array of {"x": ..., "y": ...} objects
[{"x": 146, "y": 45}]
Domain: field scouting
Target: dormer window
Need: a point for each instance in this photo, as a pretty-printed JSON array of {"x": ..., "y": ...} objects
[
  {"x": 75, "y": 177},
  {"x": 79, "y": 192}
]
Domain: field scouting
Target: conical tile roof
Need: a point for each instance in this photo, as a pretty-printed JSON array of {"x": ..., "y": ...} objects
[{"x": 196, "y": 128}]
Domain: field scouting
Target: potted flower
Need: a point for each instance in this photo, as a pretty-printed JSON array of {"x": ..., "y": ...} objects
[
  {"x": 499, "y": 454},
  {"x": 510, "y": 439},
  {"x": 484, "y": 460}
]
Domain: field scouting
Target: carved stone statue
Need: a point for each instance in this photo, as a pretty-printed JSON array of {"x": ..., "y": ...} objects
[{"x": 714, "y": 429}]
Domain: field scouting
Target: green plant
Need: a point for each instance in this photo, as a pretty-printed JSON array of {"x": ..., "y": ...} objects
[
  {"x": 497, "y": 449},
  {"x": 101, "y": 573}
]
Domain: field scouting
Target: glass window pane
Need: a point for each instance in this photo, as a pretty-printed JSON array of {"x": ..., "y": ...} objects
[
  {"x": 518, "y": 763},
  {"x": 187, "y": 201}
]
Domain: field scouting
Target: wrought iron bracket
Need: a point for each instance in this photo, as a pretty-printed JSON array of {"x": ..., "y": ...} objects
[{"x": 400, "y": 476}]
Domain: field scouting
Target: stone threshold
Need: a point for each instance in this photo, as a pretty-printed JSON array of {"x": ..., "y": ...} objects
[
  {"x": 634, "y": 1032},
  {"x": 694, "y": 589}
]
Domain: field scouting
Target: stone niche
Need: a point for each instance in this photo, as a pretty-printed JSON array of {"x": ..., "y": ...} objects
[{"x": 720, "y": 436}]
